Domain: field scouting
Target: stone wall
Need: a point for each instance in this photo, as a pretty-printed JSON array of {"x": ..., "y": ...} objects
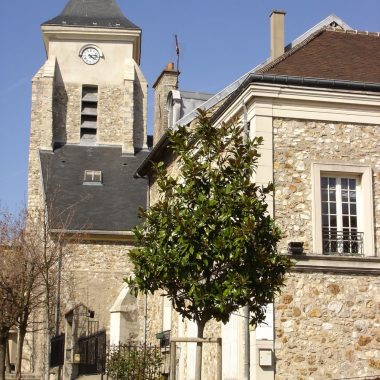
[
  {"x": 41, "y": 134},
  {"x": 96, "y": 271},
  {"x": 297, "y": 143},
  {"x": 122, "y": 113},
  {"x": 327, "y": 327},
  {"x": 115, "y": 118},
  {"x": 67, "y": 113}
]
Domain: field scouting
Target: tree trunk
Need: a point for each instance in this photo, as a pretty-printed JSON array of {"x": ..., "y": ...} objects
[
  {"x": 20, "y": 347},
  {"x": 3, "y": 344},
  {"x": 198, "y": 354}
]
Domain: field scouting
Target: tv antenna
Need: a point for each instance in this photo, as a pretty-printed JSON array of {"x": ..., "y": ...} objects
[{"x": 177, "y": 53}]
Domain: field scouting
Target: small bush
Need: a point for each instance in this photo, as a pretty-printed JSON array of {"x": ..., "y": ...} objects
[{"x": 131, "y": 362}]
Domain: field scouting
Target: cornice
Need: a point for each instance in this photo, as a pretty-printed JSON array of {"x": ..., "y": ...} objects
[
  {"x": 305, "y": 103},
  {"x": 336, "y": 264}
]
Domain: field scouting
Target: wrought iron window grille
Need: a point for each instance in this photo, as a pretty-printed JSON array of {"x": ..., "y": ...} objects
[{"x": 343, "y": 243}]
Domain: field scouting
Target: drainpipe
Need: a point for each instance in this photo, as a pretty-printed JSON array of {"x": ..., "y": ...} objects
[
  {"x": 146, "y": 294},
  {"x": 247, "y": 343},
  {"x": 58, "y": 296}
]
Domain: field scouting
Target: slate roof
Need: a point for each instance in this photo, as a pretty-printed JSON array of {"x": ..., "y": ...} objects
[
  {"x": 92, "y": 13},
  {"x": 192, "y": 100},
  {"x": 111, "y": 206},
  {"x": 332, "y": 54}
]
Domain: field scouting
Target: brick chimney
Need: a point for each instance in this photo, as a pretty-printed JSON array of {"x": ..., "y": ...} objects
[
  {"x": 277, "y": 33},
  {"x": 166, "y": 82}
]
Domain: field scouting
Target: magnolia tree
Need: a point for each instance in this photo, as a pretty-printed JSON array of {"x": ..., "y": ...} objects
[{"x": 209, "y": 242}]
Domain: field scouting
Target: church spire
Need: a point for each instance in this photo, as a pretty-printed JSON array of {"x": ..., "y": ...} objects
[{"x": 92, "y": 13}]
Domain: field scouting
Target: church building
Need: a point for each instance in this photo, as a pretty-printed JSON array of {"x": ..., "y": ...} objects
[{"x": 88, "y": 136}]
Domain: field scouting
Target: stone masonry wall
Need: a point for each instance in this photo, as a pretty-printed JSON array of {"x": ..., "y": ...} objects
[
  {"x": 121, "y": 114},
  {"x": 297, "y": 143},
  {"x": 328, "y": 327},
  {"x": 67, "y": 113},
  {"x": 41, "y": 136},
  {"x": 115, "y": 120},
  {"x": 96, "y": 271}
]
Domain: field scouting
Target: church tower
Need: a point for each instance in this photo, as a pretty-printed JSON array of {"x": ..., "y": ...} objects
[
  {"x": 88, "y": 136},
  {"x": 99, "y": 92}
]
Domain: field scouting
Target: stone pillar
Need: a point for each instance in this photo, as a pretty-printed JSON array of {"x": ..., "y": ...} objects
[
  {"x": 140, "y": 110},
  {"x": 41, "y": 129}
]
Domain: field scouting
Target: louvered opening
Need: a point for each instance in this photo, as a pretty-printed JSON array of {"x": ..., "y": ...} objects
[{"x": 89, "y": 113}]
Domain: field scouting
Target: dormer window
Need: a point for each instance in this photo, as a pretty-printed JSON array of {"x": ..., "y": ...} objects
[
  {"x": 92, "y": 177},
  {"x": 173, "y": 107}
]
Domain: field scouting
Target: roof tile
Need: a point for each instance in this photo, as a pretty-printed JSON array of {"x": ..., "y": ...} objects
[{"x": 332, "y": 54}]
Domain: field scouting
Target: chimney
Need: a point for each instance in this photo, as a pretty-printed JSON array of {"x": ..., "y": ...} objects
[
  {"x": 166, "y": 82},
  {"x": 277, "y": 33}
]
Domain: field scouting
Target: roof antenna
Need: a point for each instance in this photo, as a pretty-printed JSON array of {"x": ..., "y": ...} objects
[{"x": 177, "y": 52}]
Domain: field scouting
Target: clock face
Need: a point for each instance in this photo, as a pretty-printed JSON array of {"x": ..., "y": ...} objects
[{"x": 91, "y": 56}]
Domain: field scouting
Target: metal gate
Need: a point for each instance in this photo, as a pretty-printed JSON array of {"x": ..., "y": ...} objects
[
  {"x": 57, "y": 350},
  {"x": 92, "y": 350}
]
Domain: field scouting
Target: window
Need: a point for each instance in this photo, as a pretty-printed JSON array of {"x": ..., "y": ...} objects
[
  {"x": 342, "y": 210},
  {"x": 89, "y": 114},
  {"x": 340, "y": 234},
  {"x": 92, "y": 177}
]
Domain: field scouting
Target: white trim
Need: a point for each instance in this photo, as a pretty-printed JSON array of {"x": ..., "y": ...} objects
[
  {"x": 365, "y": 201},
  {"x": 293, "y": 102},
  {"x": 325, "y": 22},
  {"x": 166, "y": 313}
]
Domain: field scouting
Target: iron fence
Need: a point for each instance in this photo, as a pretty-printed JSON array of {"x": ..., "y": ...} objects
[{"x": 92, "y": 350}]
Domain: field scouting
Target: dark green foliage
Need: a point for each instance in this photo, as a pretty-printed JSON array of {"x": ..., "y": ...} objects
[
  {"x": 130, "y": 362},
  {"x": 209, "y": 242}
]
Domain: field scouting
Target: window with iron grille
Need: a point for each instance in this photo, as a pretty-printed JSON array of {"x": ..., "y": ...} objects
[
  {"x": 340, "y": 232},
  {"x": 343, "y": 221}
]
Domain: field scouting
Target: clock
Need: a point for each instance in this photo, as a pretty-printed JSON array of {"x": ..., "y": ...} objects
[{"x": 90, "y": 55}]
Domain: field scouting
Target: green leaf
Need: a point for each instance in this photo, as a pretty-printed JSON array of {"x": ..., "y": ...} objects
[{"x": 208, "y": 240}]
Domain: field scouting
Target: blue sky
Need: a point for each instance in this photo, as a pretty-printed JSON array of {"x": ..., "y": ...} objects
[{"x": 220, "y": 41}]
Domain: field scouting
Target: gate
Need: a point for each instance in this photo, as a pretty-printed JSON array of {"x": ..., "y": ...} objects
[
  {"x": 57, "y": 351},
  {"x": 92, "y": 350}
]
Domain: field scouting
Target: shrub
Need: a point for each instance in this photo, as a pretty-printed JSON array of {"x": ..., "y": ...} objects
[{"x": 134, "y": 362}]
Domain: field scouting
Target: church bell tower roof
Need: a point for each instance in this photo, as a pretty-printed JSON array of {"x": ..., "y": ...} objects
[{"x": 92, "y": 13}]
